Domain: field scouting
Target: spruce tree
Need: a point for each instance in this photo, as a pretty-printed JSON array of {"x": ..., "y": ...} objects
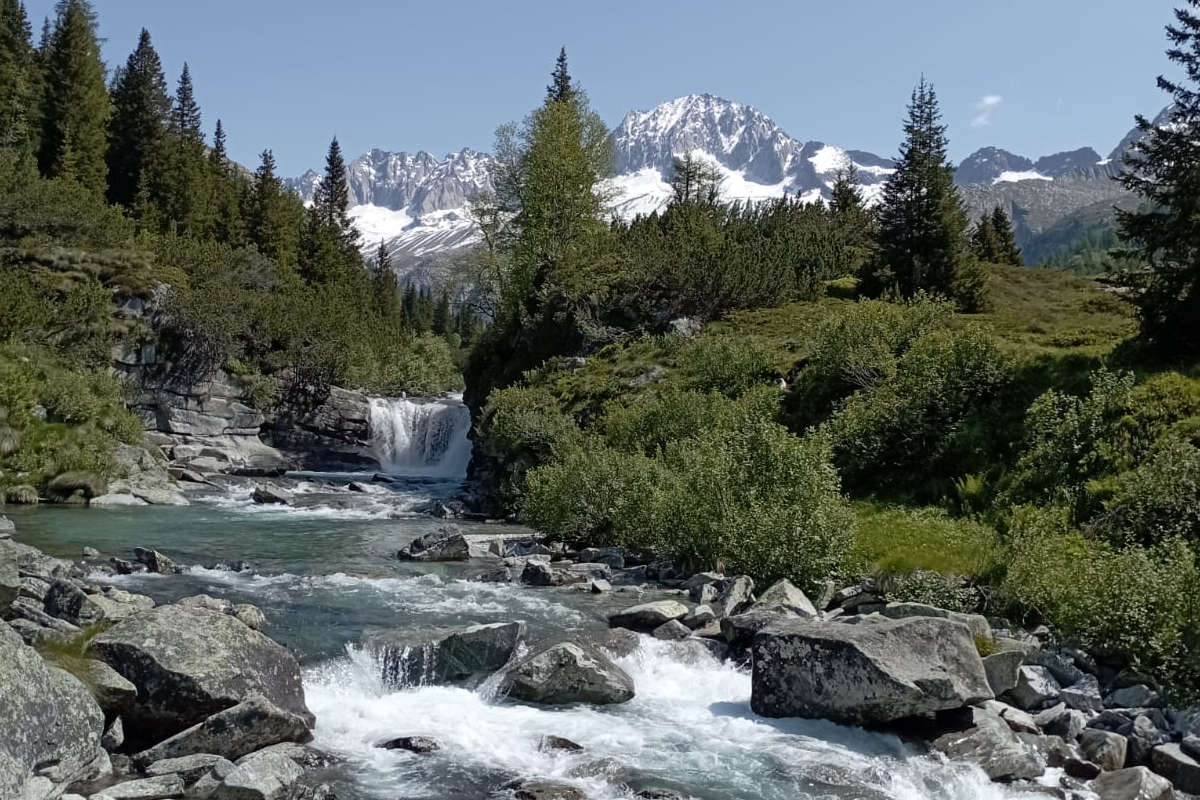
[
  {"x": 983, "y": 240},
  {"x": 140, "y": 109},
  {"x": 922, "y": 222},
  {"x": 560, "y": 88},
  {"x": 185, "y": 113},
  {"x": 228, "y": 187},
  {"x": 1162, "y": 169},
  {"x": 331, "y": 200},
  {"x": 19, "y": 79},
  {"x": 442, "y": 313},
  {"x": 181, "y": 177},
  {"x": 385, "y": 290},
  {"x": 852, "y": 222},
  {"x": 272, "y": 228},
  {"x": 75, "y": 107},
  {"x": 1007, "y": 251}
]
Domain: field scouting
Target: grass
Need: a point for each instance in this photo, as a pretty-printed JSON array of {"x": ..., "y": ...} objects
[
  {"x": 897, "y": 539},
  {"x": 71, "y": 654}
]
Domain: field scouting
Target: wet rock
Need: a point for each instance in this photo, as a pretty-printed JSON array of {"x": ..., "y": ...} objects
[
  {"x": 1036, "y": 688},
  {"x": 467, "y": 655},
  {"x": 986, "y": 740},
  {"x": 977, "y": 624},
  {"x": 672, "y": 631},
  {"x": 90, "y": 553},
  {"x": 648, "y": 616},
  {"x": 865, "y": 674},
  {"x": 249, "y": 726},
  {"x": 48, "y": 720},
  {"x": 1139, "y": 696},
  {"x": 539, "y": 573},
  {"x": 413, "y": 744},
  {"x": 1178, "y": 767},
  {"x": 543, "y": 790},
  {"x": 1002, "y": 670},
  {"x": 1062, "y": 721},
  {"x": 1135, "y": 783},
  {"x": 1104, "y": 748},
  {"x": 616, "y": 642},
  {"x": 784, "y": 594},
  {"x": 568, "y": 673},
  {"x": 156, "y": 788},
  {"x": 660, "y": 794},
  {"x": 269, "y": 495},
  {"x": 551, "y": 743},
  {"x": 698, "y": 617},
  {"x": 116, "y": 500},
  {"x": 260, "y": 776},
  {"x": 155, "y": 561},
  {"x": 191, "y": 663},
  {"x": 444, "y": 544}
]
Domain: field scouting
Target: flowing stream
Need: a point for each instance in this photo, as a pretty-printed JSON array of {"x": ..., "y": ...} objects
[{"x": 325, "y": 574}]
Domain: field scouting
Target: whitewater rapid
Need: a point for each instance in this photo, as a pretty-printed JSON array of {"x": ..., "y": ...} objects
[{"x": 421, "y": 436}]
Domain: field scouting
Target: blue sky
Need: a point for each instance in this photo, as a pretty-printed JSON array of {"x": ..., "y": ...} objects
[{"x": 1032, "y": 76}]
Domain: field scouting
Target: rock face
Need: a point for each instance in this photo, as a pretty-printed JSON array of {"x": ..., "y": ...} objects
[
  {"x": 463, "y": 656},
  {"x": 48, "y": 720},
  {"x": 865, "y": 674},
  {"x": 190, "y": 663},
  {"x": 568, "y": 673},
  {"x": 335, "y": 432},
  {"x": 237, "y": 731}
]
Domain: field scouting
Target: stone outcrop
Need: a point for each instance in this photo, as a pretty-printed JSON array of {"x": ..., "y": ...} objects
[
  {"x": 464, "y": 656},
  {"x": 987, "y": 740},
  {"x": 648, "y": 616},
  {"x": 190, "y": 663},
  {"x": 336, "y": 431},
  {"x": 865, "y": 674},
  {"x": 568, "y": 673},
  {"x": 237, "y": 731}
]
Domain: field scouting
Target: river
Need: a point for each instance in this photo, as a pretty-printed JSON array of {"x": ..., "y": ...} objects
[{"x": 326, "y": 574}]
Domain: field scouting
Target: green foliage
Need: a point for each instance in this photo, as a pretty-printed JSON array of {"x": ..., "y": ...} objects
[
  {"x": 724, "y": 364},
  {"x": 1157, "y": 501},
  {"x": 1135, "y": 604},
  {"x": 897, "y": 541},
  {"x": 20, "y": 79},
  {"x": 650, "y": 422},
  {"x": 992, "y": 240},
  {"x": 140, "y": 109}
]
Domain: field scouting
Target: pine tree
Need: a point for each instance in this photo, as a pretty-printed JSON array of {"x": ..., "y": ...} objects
[
  {"x": 922, "y": 222},
  {"x": 851, "y": 221},
  {"x": 983, "y": 240},
  {"x": 694, "y": 180},
  {"x": 1007, "y": 251},
  {"x": 228, "y": 189},
  {"x": 560, "y": 88},
  {"x": 19, "y": 79},
  {"x": 181, "y": 183},
  {"x": 331, "y": 200},
  {"x": 410, "y": 306},
  {"x": 185, "y": 113},
  {"x": 1161, "y": 168},
  {"x": 272, "y": 227},
  {"x": 385, "y": 290},
  {"x": 442, "y": 313},
  {"x": 75, "y": 107},
  {"x": 140, "y": 109}
]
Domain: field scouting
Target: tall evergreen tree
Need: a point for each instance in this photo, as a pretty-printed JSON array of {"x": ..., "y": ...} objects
[
  {"x": 75, "y": 108},
  {"x": 442, "y": 315},
  {"x": 19, "y": 78},
  {"x": 1162, "y": 169},
  {"x": 331, "y": 200},
  {"x": 185, "y": 113},
  {"x": 228, "y": 187},
  {"x": 386, "y": 290},
  {"x": 182, "y": 180},
  {"x": 922, "y": 222},
  {"x": 1007, "y": 251},
  {"x": 272, "y": 227},
  {"x": 983, "y": 240},
  {"x": 852, "y": 222},
  {"x": 560, "y": 88},
  {"x": 694, "y": 180},
  {"x": 140, "y": 109}
]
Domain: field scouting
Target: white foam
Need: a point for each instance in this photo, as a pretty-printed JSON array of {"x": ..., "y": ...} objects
[{"x": 421, "y": 437}]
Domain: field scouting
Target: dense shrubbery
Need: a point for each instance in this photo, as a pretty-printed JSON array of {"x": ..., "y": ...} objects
[
  {"x": 723, "y": 364},
  {"x": 651, "y": 421}
]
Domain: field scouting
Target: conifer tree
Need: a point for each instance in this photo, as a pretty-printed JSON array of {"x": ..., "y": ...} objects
[
  {"x": 922, "y": 222},
  {"x": 1007, "y": 251},
  {"x": 983, "y": 240},
  {"x": 410, "y": 306},
  {"x": 19, "y": 78},
  {"x": 329, "y": 246},
  {"x": 228, "y": 188},
  {"x": 185, "y": 113},
  {"x": 560, "y": 88},
  {"x": 331, "y": 200},
  {"x": 140, "y": 109},
  {"x": 75, "y": 107},
  {"x": 1162, "y": 169},
  {"x": 182, "y": 180},
  {"x": 441, "y": 318},
  {"x": 272, "y": 228},
  {"x": 385, "y": 290},
  {"x": 694, "y": 180},
  {"x": 852, "y": 221}
]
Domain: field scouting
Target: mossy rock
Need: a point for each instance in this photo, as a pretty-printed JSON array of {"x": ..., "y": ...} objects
[
  {"x": 75, "y": 487},
  {"x": 22, "y": 495}
]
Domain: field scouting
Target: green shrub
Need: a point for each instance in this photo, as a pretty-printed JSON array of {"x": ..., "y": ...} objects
[
  {"x": 652, "y": 420},
  {"x": 1134, "y": 606},
  {"x": 521, "y": 428},
  {"x": 932, "y": 588},
  {"x": 725, "y": 364},
  {"x": 897, "y": 540},
  {"x": 1167, "y": 404},
  {"x": 1157, "y": 501}
]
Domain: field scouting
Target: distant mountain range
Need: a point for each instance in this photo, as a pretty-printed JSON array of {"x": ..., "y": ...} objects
[{"x": 417, "y": 203}]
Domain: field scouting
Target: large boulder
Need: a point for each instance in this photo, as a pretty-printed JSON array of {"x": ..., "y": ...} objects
[
  {"x": 784, "y": 594},
  {"x": 1036, "y": 688},
  {"x": 648, "y": 616},
  {"x": 48, "y": 720},
  {"x": 1178, "y": 767},
  {"x": 987, "y": 740},
  {"x": 568, "y": 673},
  {"x": 66, "y": 601},
  {"x": 261, "y": 776},
  {"x": 1104, "y": 748},
  {"x": 978, "y": 624},
  {"x": 1135, "y": 783},
  {"x": 466, "y": 656},
  {"x": 237, "y": 731},
  {"x": 190, "y": 663},
  {"x": 865, "y": 674},
  {"x": 1002, "y": 669},
  {"x": 446, "y": 544}
]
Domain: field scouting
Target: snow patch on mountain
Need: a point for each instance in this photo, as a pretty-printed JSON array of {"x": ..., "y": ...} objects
[{"x": 1024, "y": 175}]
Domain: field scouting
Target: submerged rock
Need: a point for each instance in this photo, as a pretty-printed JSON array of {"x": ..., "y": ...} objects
[
  {"x": 568, "y": 673},
  {"x": 865, "y": 674},
  {"x": 467, "y": 655},
  {"x": 155, "y": 561},
  {"x": 543, "y": 790},
  {"x": 269, "y": 495},
  {"x": 191, "y": 663},
  {"x": 413, "y": 744}
]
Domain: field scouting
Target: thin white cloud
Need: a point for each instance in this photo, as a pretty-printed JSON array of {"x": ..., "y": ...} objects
[{"x": 985, "y": 107}]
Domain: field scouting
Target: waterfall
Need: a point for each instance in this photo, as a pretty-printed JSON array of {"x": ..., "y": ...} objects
[{"x": 421, "y": 436}]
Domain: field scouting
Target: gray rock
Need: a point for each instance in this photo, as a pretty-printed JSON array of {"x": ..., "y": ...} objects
[
  {"x": 1061, "y": 666},
  {"x": 739, "y": 631},
  {"x": 467, "y": 655},
  {"x": 156, "y": 788},
  {"x": 190, "y": 663},
  {"x": 539, "y": 573},
  {"x": 1084, "y": 695},
  {"x": 1191, "y": 745},
  {"x": 269, "y": 495},
  {"x": 1081, "y": 768},
  {"x": 114, "y": 736},
  {"x": 549, "y": 744},
  {"x": 48, "y": 720},
  {"x": 269, "y": 776},
  {"x": 189, "y": 768},
  {"x": 1062, "y": 721},
  {"x": 989, "y": 742},
  {"x": 616, "y": 642},
  {"x": 1142, "y": 738},
  {"x": 694, "y": 584},
  {"x": 865, "y": 674},
  {"x": 544, "y": 790},
  {"x": 1017, "y": 720},
  {"x": 1036, "y": 688},
  {"x": 8, "y": 529},
  {"x": 976, "y": 623},
  {"x": 784, "y": 594},
  {"x": 1178, "y": 767},
  {"x": 249, "y": 615},
  {"x": 155, "y": 561},
  {"x": 568, "y": 673},
  {"x": 10, "y": 580},
  {"x": 737, "y": 595},
  {"x": 66, "y": 601},
  {"x": 90, "y": 553},
  {"x": 237, "y": 731},
  {"x": 599, "y": 586},
  {"x": 413, "y": 744},
  {"x": 1002, "y": 670},
  {"x": 1139, "y": 696},
  {"x": 1135, "y": 783},
  {"x": 1104, "y": 748},
  {"x": 613, "y": 557},
  {"x": 113, "y": 693},
  {"x": 445, "y": 544},
  {"x": 698, "y": 617},
  {"x": 672, "y": 631},
  {"x": 648, "y": 616}
]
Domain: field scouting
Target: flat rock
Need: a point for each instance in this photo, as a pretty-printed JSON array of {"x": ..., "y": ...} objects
[
  {"x": 467, "y": 655},
  {"x": 648, "y": 616},
  {"x": 977, "y": 623},
  {"x": 1134, "y": 783},
  {"x": 117, "y": 500},
  {"x": 251, "y": 725},
  {"x": 156, "y": 788},
  {"x": 865, "y": 674},
  {"x": 191, "y": 663},
  {"x": 189, "y": 768},
  {"x": 568, "y": 673}
]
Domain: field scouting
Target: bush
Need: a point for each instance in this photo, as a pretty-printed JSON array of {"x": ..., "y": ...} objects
[
  {"x": 896, "y": 540},
  {"x": 521, "y": 428},
  {"x": 1134, "y": 606},
  {"x": 725, "y": 364},
  {"x": 1158, "y": 501},
  {"x": 652, "y": 420}
]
